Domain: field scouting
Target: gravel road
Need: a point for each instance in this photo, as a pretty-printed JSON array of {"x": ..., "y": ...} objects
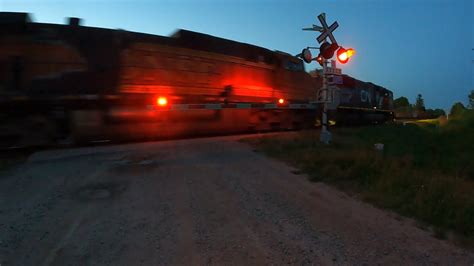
[{"x": 194, "y": 202}]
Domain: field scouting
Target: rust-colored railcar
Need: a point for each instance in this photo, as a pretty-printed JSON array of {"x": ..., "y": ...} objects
[{"x": 91, "y": 82}]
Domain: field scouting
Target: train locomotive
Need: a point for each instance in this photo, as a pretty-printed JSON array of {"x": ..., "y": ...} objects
[
  {"x": 357, "y": 102},
  {"x": 84, "y": 83}
]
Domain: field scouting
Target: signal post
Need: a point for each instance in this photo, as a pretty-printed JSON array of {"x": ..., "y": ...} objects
[
  {"x": 326, "y": 52},
  {"x": 325, "y": 135}
]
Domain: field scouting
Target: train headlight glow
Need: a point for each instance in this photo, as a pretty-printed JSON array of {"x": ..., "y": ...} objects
[{"x": 161, "y": 101}]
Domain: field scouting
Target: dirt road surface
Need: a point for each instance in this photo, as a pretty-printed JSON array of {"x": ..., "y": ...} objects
[{"x": 194, "y": 202}]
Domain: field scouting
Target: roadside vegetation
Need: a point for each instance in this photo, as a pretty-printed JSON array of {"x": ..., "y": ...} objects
[{"x": 425, "y": 171}]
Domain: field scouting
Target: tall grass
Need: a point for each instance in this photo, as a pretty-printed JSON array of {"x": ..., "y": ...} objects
[{"x": 424, "y": 171}]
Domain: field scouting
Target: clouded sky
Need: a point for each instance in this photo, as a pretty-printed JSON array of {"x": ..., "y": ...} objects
[{"x": 408, "y": 46}]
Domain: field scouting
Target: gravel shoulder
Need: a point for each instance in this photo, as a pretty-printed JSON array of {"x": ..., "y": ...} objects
[{"x": 193, "y": 202}]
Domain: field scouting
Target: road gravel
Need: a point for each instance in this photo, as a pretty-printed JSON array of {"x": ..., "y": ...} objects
[{"x": 194, "y": 202}]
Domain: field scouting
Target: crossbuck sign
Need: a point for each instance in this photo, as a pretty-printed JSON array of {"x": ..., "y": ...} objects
[{"x": 325, "y": 30}]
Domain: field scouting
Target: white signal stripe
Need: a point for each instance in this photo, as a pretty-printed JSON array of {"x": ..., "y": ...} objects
[
  {"x": 243, "y": 105},
  {"x": 300, "y": 106},
  {"x": 178, "y": 106},
  {"x": 213, "y": 106},
  {"x": 209, "y": 106},
  {"x": 219, "y": 106},
  {"x": 270, "y": 106},
  {"x": 364, "y": 109}
]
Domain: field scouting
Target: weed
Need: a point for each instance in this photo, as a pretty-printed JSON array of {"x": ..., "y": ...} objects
[{"x": 425, "y": 171}]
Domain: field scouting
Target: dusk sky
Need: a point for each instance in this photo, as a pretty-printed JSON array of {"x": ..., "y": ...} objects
[{"x": 408, "y": 46}]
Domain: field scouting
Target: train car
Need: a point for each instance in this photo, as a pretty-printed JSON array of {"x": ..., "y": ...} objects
[
  {"x": 93, "y": 83},
  {"x": 76, "y": 83},
  {"x": 359, "y": 102}
]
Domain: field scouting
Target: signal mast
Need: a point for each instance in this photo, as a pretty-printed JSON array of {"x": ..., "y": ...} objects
[{"x": 326, "y": 52}]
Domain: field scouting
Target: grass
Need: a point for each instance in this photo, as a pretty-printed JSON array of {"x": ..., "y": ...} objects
[{"x": 425, "y": 171}]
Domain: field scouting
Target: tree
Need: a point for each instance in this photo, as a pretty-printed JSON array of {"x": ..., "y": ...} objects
[
  {"x": 401, "y": 102},
  {"x": 439, "y": 112},
  {"x": 457, "y": 110},
  {"x": 435, "y": 113},
  {"x": 420, "y": 104},
  {"x": 471, "y": 99}
]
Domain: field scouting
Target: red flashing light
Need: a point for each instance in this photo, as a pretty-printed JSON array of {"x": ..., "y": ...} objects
[
  {"x": 161, "y": 101},
  {"x": 320, "y": 60},
  {"x": 343, "y": 55},
  {"x": 350, "y": 52},
  {"x": 281, "y": 101}
]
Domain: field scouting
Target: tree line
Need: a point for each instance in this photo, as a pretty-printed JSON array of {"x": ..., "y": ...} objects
[{"x": 403, "y": 108}]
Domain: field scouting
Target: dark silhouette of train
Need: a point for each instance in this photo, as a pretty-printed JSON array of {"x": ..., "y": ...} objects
[{"x": 86, "y": 83}]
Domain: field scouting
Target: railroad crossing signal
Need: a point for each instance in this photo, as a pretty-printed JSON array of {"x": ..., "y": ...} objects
[
  {"x": 327, "y": 49},
  {"x": 343, "y": 55},
  {"x": 326, "y": 52},
  {"x": 327, "y": 31}
]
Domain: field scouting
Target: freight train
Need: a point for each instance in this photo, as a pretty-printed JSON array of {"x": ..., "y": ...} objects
[
  {"x": 84, "y": 83},
  {"x": 358, "y": 102}
]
